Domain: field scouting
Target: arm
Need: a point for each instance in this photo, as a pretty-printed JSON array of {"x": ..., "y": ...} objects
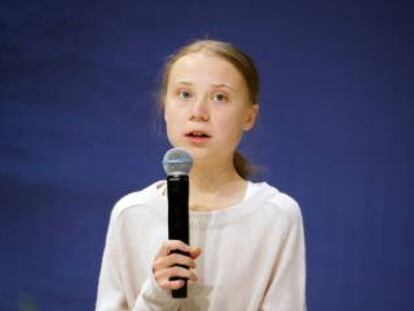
[
  {"x": 152, "y": 297},
  {"x": 111, "y": 295},
  {"x": 286, "y": 291}
]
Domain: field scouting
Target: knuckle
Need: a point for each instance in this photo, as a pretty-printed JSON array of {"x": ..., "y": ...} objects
[
  {"x": 174, "y": 270},
  {"x": 163, "y": 284},
  {"x": 170, "y": 243},
  {"x": 156, "y": 264},
  {"x": 175, "y": 258},
  {"x": 183, "y": 272},
  {"x": 179, "y": 244},
  {"x": 157, "y": 278},
  {"x": 178, "y": 284},
  {"x": 183, "y": 260},
  {"x": 189, "y": 274}
]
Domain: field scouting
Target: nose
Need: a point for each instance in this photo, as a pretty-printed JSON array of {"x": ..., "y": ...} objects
[{"x": 199, "y": 110}]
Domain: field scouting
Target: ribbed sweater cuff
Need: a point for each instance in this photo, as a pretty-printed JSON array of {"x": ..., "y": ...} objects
[{"x": 153, "y": 297}]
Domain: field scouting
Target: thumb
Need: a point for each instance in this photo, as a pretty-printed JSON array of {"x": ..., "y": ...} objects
[{"x": 195, "y": 252}]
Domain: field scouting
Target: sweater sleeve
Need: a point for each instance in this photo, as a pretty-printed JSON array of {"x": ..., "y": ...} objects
[
  {"x": 111, "y": 294},
  {"x": 286, "y": 291},
  {"x": 152, "y": 297}
]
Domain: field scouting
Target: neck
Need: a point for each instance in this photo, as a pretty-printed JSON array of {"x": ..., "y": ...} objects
[{"x": 215, "y": 187}]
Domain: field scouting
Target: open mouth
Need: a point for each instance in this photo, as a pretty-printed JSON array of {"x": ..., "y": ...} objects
[{"x": 197, "y": 134}]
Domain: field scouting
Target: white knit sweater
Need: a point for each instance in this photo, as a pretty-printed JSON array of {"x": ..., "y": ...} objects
[{"x": 253, "y": 255}]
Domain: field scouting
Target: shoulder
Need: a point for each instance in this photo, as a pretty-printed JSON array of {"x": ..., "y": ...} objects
[
  {"x": 142, "y": 197},
  {"x": 282, "y": 211},
  {"x": 282, "y": 203}
]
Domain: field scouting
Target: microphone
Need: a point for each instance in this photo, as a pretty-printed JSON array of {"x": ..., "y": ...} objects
[{"x": 177, "y": 164}]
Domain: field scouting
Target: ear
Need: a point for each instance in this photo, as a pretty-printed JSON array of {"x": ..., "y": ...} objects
[{"x": 251, "y": 117}]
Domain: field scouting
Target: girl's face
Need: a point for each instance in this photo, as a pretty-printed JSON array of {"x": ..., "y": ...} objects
[{"x": 207, "y": 107}]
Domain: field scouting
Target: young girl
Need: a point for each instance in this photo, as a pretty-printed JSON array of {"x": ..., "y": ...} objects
[{"x": 246, "y": 239}]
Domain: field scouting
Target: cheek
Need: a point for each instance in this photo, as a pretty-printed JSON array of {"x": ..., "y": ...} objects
[
  {"x": 172, "y": 114},
  {"x": 171, "y": 133},
  {"x": 172, "y": 124},
  {"x": 231, "y": 128}
]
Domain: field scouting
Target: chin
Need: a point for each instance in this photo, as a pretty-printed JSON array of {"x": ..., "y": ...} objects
[
  {"x": 199, "y": 154},
  {"x": 202, "y": 154}
]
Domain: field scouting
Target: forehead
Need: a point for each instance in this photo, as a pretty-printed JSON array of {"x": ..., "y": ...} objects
[{"x": 202, "y": 67}]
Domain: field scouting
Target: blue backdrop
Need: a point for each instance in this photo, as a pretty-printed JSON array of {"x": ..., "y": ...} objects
[{"x": 79, "y": 129}]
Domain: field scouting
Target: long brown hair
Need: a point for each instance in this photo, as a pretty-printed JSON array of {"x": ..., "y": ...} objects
[{"x": 237, "y": 58}]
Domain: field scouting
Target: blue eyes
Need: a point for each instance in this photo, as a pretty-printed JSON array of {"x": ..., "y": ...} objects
[{"x": 216, "y": 97}]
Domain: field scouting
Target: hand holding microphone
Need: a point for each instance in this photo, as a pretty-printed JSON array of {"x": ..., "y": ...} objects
[
  {"x": 165, "y": 265},
  {"x": 172, "y": 265}
]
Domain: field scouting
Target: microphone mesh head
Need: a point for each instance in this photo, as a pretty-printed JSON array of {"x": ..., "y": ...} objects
[{"x": 177, "y": 161}]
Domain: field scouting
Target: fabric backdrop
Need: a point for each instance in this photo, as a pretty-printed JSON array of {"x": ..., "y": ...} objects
[{"x": 79, "y": 128}]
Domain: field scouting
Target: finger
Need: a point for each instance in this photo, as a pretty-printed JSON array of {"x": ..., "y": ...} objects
[
  {"x": 193, "y": 279},
  {"x": 167, "y": 284},
  {"x": 177, "y": 271},
  {"x": 166, "y": 274},
  {"x": 174, "y": 259},
  {"x": 170, "y": 245},
  {"x": 194, "y": 276},
  {"x": 190, "y": 275},
  {"x": 176, "y": 284},
  {"x": 171, "y": 260},
  {"x": 163, "y": 277}
]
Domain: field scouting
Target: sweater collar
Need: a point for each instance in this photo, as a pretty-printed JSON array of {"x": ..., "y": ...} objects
[{"x": 222, "y": 217}]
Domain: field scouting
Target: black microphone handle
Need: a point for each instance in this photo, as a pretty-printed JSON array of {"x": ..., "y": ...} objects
[{"x": 178, "y": 221}]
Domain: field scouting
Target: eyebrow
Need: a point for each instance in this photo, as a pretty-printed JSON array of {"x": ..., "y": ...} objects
[
  {"x": 224, "y": 85},
  {"x": 183, "y": 82},
  {"x": 215, "y": 85}
]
